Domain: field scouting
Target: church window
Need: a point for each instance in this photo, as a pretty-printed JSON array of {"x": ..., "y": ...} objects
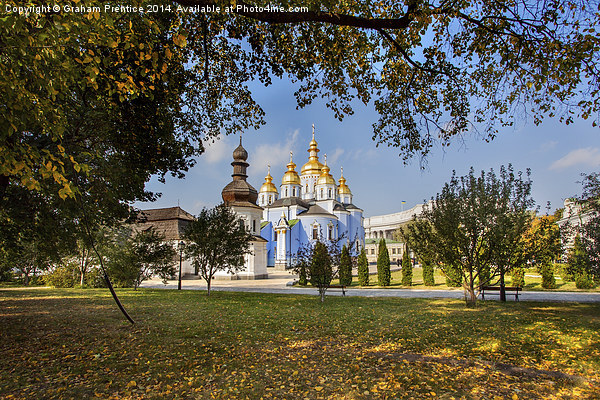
[
  {"x": 372, "y": 251},
  {"x": 329, "y": 193},
  {"x": 286, "y": 192},
  {"x": 394, "y": 250},
  {"x": 253, "y": 226},
  {"x": 321, "y": 192},
  {"x": 270, "y": 199},
  {"x": 315, "y": 232},
  {"x": 294, "y": 192},
  {"x": 307, "y": 187},
  {"x": 275, "y": 236},
  {"x": 330, "y": 232}
]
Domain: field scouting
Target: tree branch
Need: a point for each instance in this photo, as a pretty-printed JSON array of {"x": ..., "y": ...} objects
[{"x": 287, "y": 17}]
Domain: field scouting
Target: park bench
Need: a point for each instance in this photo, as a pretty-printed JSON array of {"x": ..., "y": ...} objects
[
  {"x": 495, "y": 290},
  {"x": 338, "y": 287}
]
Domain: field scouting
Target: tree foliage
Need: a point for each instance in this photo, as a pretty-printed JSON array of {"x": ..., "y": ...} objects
[
  {"x": 471, "y": 225},
  {"x": 384, "y": 274},
  {"x": 590, "y": 230},
  {"x": 345, "y": 270},
  {"x": 434, "y": 69},
  {"x": 407, "y": 268},
  {"x": 217, "y": 240},
  {"x": 428, "y": 273},
  {"x": 363, "y": 268},
  {"x": 321, "y": 268}
]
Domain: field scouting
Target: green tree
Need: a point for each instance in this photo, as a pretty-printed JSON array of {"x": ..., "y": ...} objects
[
  {"x": 363, "y": 268},
  {"x": 384, "y": 274},
  {"x": 152, "y": 256},
  {"x": 579, "y": 265},
  {"x": 345, "y": 269},
  {"x": 484, "y": 61},
  {"x": 216, "y": 240},
  {"x": 428, "y": 273},
  {"x": 321, "y": 268},
  {"x": 407, "y": 269},
  {"x": 465, "y": 223},
  {"x": 454, "y": 276},
  {"x": 518, "y": 277},
  {"x": 547, "y": 272},
  {"x": 590, "y": 229}
]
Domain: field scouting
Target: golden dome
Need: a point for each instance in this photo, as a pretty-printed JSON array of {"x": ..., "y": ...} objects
[
  {"x": 268, "y": 186},
  {"x": 313, "y": 166},
  {"x": 325, "y": 178},
  {"x": 291, "y": 176},
  {"x": 343, "y": 188}
]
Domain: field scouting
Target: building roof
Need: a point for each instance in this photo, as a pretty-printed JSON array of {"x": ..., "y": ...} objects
[
  {"x": 317, "y": 210},
  {"x": 289, "y": 201},
  {"x": 164, "y": 214}
]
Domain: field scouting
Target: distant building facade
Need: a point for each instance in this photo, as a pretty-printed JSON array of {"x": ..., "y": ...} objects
[{"x": 386, "y": 227}]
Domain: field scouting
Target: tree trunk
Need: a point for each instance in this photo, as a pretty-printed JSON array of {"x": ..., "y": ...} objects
[
  {"x": 208, "y": 285},
  {"x": 470, "y": 295},
  {"x": 502, "y": 285}
]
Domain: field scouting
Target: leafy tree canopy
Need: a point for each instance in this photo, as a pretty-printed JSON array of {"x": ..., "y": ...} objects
[
  {"x": 217, "y": 240},
  {"x": 433, "y": 70}
]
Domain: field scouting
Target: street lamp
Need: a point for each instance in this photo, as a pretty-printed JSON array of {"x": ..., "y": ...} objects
[{"x": 181, "y": 244}]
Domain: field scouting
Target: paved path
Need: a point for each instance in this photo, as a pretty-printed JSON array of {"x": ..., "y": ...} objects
[{"x": 280, "y": 283}]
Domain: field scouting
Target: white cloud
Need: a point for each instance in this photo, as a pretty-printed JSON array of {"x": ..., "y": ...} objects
[
  {"x": 548, "y": 146},
  {"x": 333, "y": 158},
  {"x": 216, "y": 151},
  {"x": 275, "y": 154},
  {"x": 589, "y": 156}
]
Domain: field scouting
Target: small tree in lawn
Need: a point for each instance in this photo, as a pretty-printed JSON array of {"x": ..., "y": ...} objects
[
  {"x": 579, "y": 265},
  {"x": 428, "y": 275},
  {"x": 217, "y": 240},
  {"x": 384, "y": 275},
  {"x": 407, "y": 269},
  {"x": 152, "y": 256},
  {"x": 518, "y": 277},
  {"x": 321, "y": 268},
  {"x": 345, "y": 271},
  {"x": 363, "y": 269}
]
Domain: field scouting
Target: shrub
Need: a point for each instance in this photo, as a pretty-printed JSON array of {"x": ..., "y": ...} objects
[
  {"x": 64, "y": 276},
  {"x": 428, "y": 276},
  {"x": 384, "y": 275},
  {"x": 453, "y": 276},
  {"x": 547, "y": 272},
  {"x": 518, "y": 277},
  {"x": 363, "y": 269},
  {"x": 345, "y": 271},
  {"x": 407, "y": 269},
  {"x": 563, "y": 271},
  {"x": 584, "y": 281}
]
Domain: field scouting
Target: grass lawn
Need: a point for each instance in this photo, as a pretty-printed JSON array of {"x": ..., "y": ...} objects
[{"x": 69, "y": 343}]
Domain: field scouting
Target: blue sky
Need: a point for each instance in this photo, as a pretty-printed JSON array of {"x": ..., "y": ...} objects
[{"x": 556, "y": 153}]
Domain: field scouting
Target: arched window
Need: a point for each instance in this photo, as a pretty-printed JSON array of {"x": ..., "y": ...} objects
[
  {"x": 321, "y": 192},
  {"x": 286, "y": 192},
  {"x": 294, "y": 192},
  {"x": 315, "y": 234},
  {"x": 253, "y": 226},
  {"x": 330, "y": 232},
  {"x": 270, "y": 199},
  {"x": 329, "y": 193}
]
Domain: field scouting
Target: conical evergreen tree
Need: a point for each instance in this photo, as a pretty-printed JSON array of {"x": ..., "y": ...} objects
[
  {"x": 363, "y": 269},
  {"x": 428, "y": 276},
  {"x": 407, "y": 269},
  {"x": 345, "y": 271},
  {"x": 384, "y": 275}
]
